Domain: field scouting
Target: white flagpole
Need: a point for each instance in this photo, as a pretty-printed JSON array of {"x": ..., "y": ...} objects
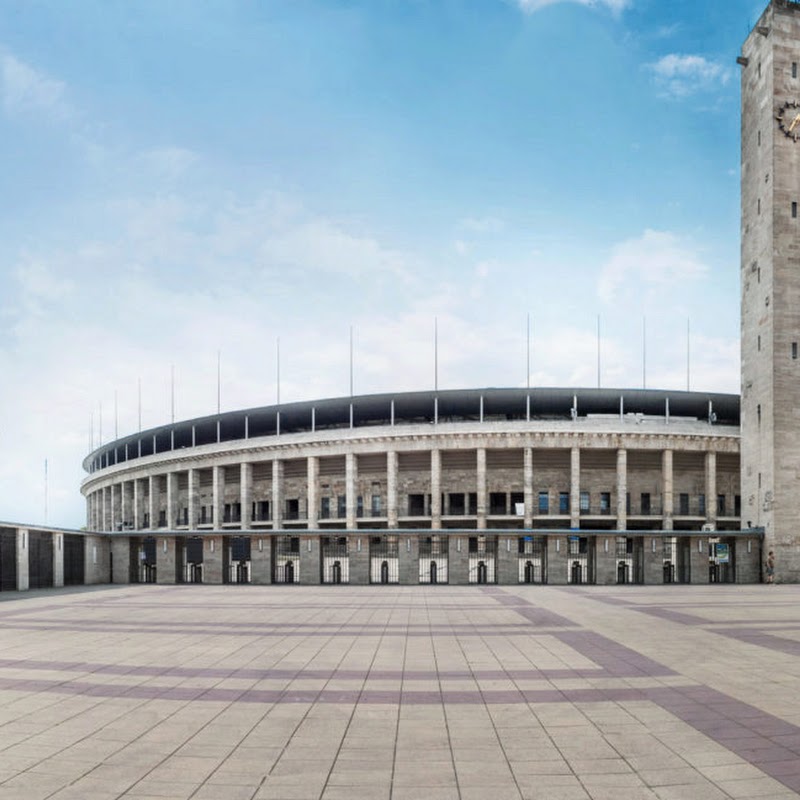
[
  {"x": 219, "y": 382},
  {"x": 598, "y": 351},
  {"x": 528, "y": 362},
  {"x": 688, "y": 352},
  {"x": 351, "y": 361},
  {"x": 436, "y": 354},
  {"x": 172, "y": 391},
  {"x": 139, "y": 390},
  {"x": 644, "y": 352},
  {"x": 278, "y": 349}
]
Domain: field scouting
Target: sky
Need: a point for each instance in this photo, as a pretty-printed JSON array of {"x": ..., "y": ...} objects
[{"x": 185, "y": 184}]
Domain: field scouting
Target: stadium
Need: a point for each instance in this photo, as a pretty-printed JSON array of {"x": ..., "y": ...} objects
[{"x": 506, "y": 486}]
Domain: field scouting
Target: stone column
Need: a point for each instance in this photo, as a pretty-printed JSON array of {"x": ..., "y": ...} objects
[
  {"x": 152, "y": 501},
  {"x": 408, "y": 560},
  {"x": 312, "y": 465},
  {"x": 557, "y": 560},
  {"x": 436, "y": 489},
  {"x": 310, "y": 561},
  {"x": 113, "y": 508},
  {"x": 277, "y": 494},
  {"x": 508, "y": 560},
  {"x": 458, "y": 560},
  {"x": 667, "y": 498},
  {"x": 193, "y": 489},
  {"x": 261, "y": 560},
  {"x": 575, "y": 488},
  {"x": 711, "y": 489},
  {"x": 23, "y": 582},
  {"x": 212, "y": 559},
  {"x": 217, "y": 496},
  {"x": 527, "y": 485},
  {"x": 653, "y": 560},
  {"x": 698, "y": 559},
  {"x": 350, "y": 471},
  {"x": 137, "y": 505},
  {"x": 58, "y": 559},
  {"x": 165, "y": 559},
  {"x": 358, "y": 560},
  {"x": 246, "y": 494},
  {"x": 391, "y": 489},
  {"x": 481, "y": 487},
  {"x": 606, "y": 561},
  {"x": 127, "y": 502},
  {"x": 622, "y": 490},
  {"x": 172, "y": 500},
  {"x": 103, "y": 506}
]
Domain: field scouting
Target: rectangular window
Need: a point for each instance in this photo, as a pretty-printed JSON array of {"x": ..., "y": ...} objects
[
  {"x": 605, "y": 502},
  {"x": 341, "y": 506},
  {"x": 375, "y": 505},
  {"x": 628, "y": 503},
  {"x": 721, "y": 505},
  {"x": 794, "y": 69},
  {"x": 759, "y": 205},
  {"x": 794, "y": 351},
  {"x": 759, "y": 342},
  {"x": 325, "y": 508},
  {"x": 585, "y": 503},
  {"x": 645, "y": 503},
  {"x": 794, "y": 210},
  {"x": 497, "y": 503},
  {"x": 758, "y": 413},
  {"x": 759, "y": 138},
  {"x": 473, "y": 504},
  {"x": 737, "y": 505},
  {"x": 292, "y": 508},
  {"x": 416, "y": 505},
  {"x": 359, "y": 506},
  {"x": 701, "y": 504},
  {"x": 683, "y": 506},
  {"x": 544, "y": 502},
  {"x": 456, "y": 502},
  {"x": 563, "y": 502}
]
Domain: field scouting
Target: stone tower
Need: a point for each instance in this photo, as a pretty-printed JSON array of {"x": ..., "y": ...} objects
[{"x": 770, "y": 281}]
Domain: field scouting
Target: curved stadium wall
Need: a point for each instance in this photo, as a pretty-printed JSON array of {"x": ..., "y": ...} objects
[{"x": 547, "y": 485}]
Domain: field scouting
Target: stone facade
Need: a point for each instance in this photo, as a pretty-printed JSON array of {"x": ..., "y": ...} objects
[{"x": 770, "y": 282}]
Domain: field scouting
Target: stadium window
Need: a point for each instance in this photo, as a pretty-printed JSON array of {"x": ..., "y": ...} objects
[
  {"x": 759, "y": 138},
  {"x": 794, "y": 210},
  {"x": 759, "y": 342},
  {"x": 759, "y": 205},
  {"x": 684, "y": 505},
  {"x": 585, "y": 503},
  {"x": 721, "y": 505},
  {"x": 794, "y": 351},
  {"x": 563, "y": 502},
  {"x": 544, "y": 502},
  {"x": 645, "y": 507},
  {"x": 701, "y": 503},
  {"x": 794, "y": 69},
  {"x": 758, "y": 411},
  {"x": 605, "y": 502}
]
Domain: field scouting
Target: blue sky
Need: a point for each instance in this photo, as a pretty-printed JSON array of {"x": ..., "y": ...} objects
[{"x": 181, "y": 179}]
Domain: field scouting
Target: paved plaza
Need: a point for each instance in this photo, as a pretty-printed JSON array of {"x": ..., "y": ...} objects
[{"x": 412, "y": 693}]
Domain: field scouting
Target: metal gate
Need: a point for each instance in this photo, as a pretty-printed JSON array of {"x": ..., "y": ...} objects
[
  {"x": 74, "y": 559},
  {"x": 580, "y": 560},
  {"x": 384, "y": 556},
  {"x": 40, "y": 559},
  {"x": 237, "y": 558},
  {"x": 286, "y": 559},
  {"x": 8, "y": 560},
  {"x": 194, "y": 560},
  {"x": 532, "y": 552},
  {"x": 335, "y": 560},
  {"x": 482, "y": 559},
  {"x": 433, "y": 559},
  {"x": 721, "y": 561}
]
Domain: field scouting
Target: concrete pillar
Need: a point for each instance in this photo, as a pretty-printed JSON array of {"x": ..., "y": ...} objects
[
  {"x": 127, "y": 503},
  {"x": 172, "y": 500},
  {"x": 698, "y": 560},
  {"x": 391, "y": 489},
  {"x": 277, "y": 494},
  {"x": 120, "y": 559},
  {"x": 310, "y": 561},
  {"x": 218, "y": 496},
  {"x": 113, "y": 509},
  {"x": 527, "y": 485},
  {"x": 23, "y": 582},
  {"x": 152, "y": 501},
  {"x": 557, "y": 558},
  {"x": 246, "y": 494},
  {"x": 436, "y": 489},
  {"x": 653, "y": 560},
  {"x": 667, "y": 498},
  {"x": 408, "y": 560},
  {"x": 312, "y": 466},
  {"x": 104, "y": 517},
  {"x": 58, "y": 560},
  {"x": 480, "y": 487},
  {"x": 137, "y": 505},
  {"x": 748, "y": 566},
  {"x": 575, "y": 488},
  {"x": 261, "y": 560},
  {"x": 212, "y": 559},
  {"x": 508, "y": 560},
  {"x": 606, "y": 561},
  {"x": 711, "y": 488},
  {"x": 358, "y": 559},
  {"x": 350, "y": 472},
  {"x": 193, "y": 496},
  {"x": 165, "y": 559},
  {"x": 458, "y": 560},
  {"x": 622, "y": 490}
]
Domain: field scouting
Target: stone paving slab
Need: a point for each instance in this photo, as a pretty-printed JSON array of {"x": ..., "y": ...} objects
[{"x": 441, "y": 693}]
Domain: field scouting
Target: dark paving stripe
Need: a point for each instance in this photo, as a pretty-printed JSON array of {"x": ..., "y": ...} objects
[
  {"x": 616, "y": 659},
  {"x": 763, "y": 639},
  {"x": 304, "y": 673},
  {"x": 538, "y": 616},
  {"x": 673, "y": 616}
]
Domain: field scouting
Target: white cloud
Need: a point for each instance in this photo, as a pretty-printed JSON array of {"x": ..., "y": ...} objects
[
  {"x": 683, "y": 75},
  {"x": 616, "y": 6},
  {"x": 482, "y": 224},
  {"x": 168, "y": 162},
  {"x": 657, "y": 260},
  {"x": 25, "y": 89}
]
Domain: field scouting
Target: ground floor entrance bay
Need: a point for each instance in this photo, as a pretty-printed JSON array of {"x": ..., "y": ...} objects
[{"x": 436, "y": 557}]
